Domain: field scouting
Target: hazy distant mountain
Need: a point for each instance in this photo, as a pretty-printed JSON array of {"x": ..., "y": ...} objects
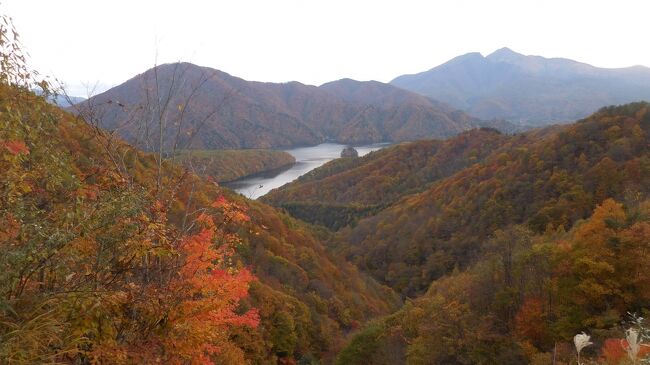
[
  {"x": 62, "y": 101},
  {"x": 212, "y": 109},
  {"x": 66, "y": 101},
  {"x": 529, "y": 89}
]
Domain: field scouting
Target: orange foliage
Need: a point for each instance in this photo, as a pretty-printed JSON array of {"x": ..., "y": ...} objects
[
  {"x": 195, "y": 312},
  {"x": 210, "y": 295},
  {"x": 16, "y": 147},
  {"x": 613, "y": 351},
  {"x": 138, "y": 279},
  {"x": 9, "y": 228},
  {"x": 530, "y": 321}
]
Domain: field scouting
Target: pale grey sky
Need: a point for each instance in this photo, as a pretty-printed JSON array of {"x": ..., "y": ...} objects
[{"x": 84, "y": 42}]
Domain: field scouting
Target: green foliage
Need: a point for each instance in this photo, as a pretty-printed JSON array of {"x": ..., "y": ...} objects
[
  {"x": 362, "y": 346},
  {"x": 332, "y": 216},
  {"x": 283, "y": 334}
]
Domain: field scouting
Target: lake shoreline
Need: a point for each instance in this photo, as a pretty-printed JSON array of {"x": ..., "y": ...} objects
[
  {"x": 306, "y": 159},
  {"x": 264, "y": 173}
]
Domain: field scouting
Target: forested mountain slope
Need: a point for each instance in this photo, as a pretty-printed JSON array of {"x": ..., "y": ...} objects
[
  {"x": 232, "y": 113},
  {"x": 526, "y": 298},
  {"x": 343, "y": 190},
  {"x": 463, "y": 189},
  {"x": 93, "y": 231},
  {"x": 541, "y": 182}
]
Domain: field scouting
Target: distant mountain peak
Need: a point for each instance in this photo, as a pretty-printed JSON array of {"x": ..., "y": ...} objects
[
  {"x": 504, "y": 50},
  {"x": 505, "y": 54},
  {"x": 527, "y": 89},
  {"x": 348, "y": 82}
]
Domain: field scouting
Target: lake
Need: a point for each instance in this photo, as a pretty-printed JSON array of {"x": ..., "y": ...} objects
[{"x": 307, "y": 159}]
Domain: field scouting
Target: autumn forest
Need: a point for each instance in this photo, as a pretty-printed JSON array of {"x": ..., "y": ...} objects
[{"x": 503, "y": 234}]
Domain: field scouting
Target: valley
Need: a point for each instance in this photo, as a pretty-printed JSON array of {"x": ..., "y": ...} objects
[
  {"x": 493, "y": 210},
  {"x": 306, "y": 159}
]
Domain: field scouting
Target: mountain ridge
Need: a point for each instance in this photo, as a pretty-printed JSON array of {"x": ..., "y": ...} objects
[
  {"x": 547, "y": 177},
  {"x": 530, "y": 89},
  {"x": 231, "y": 112}
]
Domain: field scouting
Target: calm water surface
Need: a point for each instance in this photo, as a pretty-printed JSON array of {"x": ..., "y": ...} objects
[{"x": 307, "y": 159}]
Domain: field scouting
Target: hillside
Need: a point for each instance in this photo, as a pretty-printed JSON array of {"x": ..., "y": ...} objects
[
  {"x": 104, "y": 258},
  {"x": 343, "y": 190},
  {"x": 229, "y": 165},
  {"x": 434, "y": 203},
  {"x": 527, "y": 89},
  {"x": 540, "y": 181},
  {"x": 503, "y": 258},
  {"x": 526, "y": 298},
  {"x": 214, "y": 110}
]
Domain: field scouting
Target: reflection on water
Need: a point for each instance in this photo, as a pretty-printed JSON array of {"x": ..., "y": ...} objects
[{"x": 307, "y": 159}]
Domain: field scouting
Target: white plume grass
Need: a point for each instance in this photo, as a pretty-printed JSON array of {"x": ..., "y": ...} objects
[
  {"x": 581, "y": 340},
  {"x": 633, "y": 344}
]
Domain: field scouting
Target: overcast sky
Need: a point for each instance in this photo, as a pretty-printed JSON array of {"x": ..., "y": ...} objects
[{"x": 84, "y": 42}]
